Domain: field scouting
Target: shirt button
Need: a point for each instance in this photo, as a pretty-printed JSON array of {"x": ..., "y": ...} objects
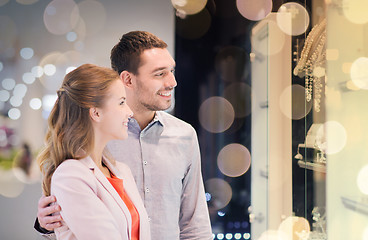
[
  {"x": 147, "y": 190},
  {"x": 145, "y": 162},
  {"x": 149, "y": 219}
]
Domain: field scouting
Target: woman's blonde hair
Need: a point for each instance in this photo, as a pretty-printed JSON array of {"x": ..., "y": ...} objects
[{"x": 70, "y": 133}]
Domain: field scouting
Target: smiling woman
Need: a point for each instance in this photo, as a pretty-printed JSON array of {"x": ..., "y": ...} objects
[
  {"x": 90, "y": 111},
  {"x": 89, "y": 39}
]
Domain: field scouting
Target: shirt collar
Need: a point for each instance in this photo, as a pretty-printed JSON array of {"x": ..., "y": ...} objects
[{"x": 157, "y": 120}]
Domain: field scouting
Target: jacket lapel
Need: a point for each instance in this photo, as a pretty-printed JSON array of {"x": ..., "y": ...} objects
[
  {"x": 107, "y": 185},
  {"x": 135, "y": 197},
  {"x": 132, "y": 191}
]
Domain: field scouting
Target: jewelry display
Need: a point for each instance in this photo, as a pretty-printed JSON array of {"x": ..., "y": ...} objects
[
  {"x": 311, "y": 154},
  {"x": 312, "y": 59},
  {"x": 319, "y": 225}
]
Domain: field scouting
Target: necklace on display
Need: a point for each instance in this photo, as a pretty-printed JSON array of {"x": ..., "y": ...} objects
[{"x": 312, "y": 56}]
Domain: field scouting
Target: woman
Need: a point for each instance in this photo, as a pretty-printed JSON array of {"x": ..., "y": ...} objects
[{"x": 91, "y": 110}]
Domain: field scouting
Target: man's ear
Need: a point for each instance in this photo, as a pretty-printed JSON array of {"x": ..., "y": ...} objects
[
  {"x": 126, "y": 77},
  {"x": 94, "y": 114}
]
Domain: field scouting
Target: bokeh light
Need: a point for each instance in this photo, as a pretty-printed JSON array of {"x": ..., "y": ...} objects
[
  {"x": 63, "y": 62},
  {"x": 270, "y": 48},
  {"x": 193, "y": 26},
  {"x": 20, "y": 90},
  {"x": 71, "y": 36},
  {"x": 293, "y": 227},
  {"x": 285, "y": 101},
  {"x": 234, "y": 160},
  {"x": 28, "y": 78},
  {"x": 332, "y": 54},
  {"x": 49, "y": 69},
  {"x": 15, "y": 101},
  {"x": 229, "y": 236},
  {"x": 4, "y": 95},
  {"x": 335, "y": 137},
  {"x": 319, "y": 71},
  {"x": 246, "y": 236},
  {"x": 239, "y": 95},
  {"x": 220, "y": 191},
  {"x": 220, "y": 236},
  {"x": 8, "y": 83},
  {"x": 346, "y": 67},
  {"x": 189, "y": 7},
  {"x": 10, "y": 186},
  {"x": 362, "y": 180},
  {"x": 51, "y": 83},
  {"x": 48, "y": 102},
  {"x": 299, "y": 18},
  {"x": 37, "y": 71},
  {"x": 300, "y": 107},
  {"x": 69, "y": 69},
  {"x": 78, "y": 46},
  {"x": 14, "y": 140},
  {"x": 356, "y": 11},
  {"x": 237, "y": 236},
  {"x": 93, "y": 14},
  {"x": 61, "y": 16},
  {"x": 14, "y": 113},
  {"x": 80, "y": 32},
  {"x": 351, "y": 86},
  {"x": 359, "y": 72},
  {"x": 216, "y": 114},
  {"x": 26, "y": 53},
  {"x": 254, "y": 10},
  {"x": 35, "y": 103}
]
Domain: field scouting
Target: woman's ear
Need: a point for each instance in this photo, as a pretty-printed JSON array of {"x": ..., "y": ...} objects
[
  {"x": 94, "y": 114},
  {"x": 126, "y": 77}
]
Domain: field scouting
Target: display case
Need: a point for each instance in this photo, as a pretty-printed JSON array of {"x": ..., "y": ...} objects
[
  {"x": 320, "y": 166},
  {"x": 271, "y": 127}
]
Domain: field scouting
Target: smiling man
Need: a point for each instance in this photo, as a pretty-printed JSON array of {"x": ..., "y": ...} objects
[{"x": 161, "y": 150}]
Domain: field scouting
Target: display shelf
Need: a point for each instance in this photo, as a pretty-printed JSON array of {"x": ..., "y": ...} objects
[
  {"x": 312, "y": 166},
  {"x": 355, "y": 205}
]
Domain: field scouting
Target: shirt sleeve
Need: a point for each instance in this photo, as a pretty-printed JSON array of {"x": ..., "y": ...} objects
[
  {"x": 194, "y": 218},
  {"x": 44, "y": 232},
  {"x": 84, "y": 214}
]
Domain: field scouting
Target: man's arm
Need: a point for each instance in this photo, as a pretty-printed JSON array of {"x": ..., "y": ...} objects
[
  {"x": 194, "y": 218},
  {"x": 47, "y": 217}
]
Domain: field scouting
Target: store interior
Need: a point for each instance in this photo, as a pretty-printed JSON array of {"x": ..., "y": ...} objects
[{"x": 276, "y": 91}]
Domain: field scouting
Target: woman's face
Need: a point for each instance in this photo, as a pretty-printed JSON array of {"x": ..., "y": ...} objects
[{"x": 115, "y": 113}]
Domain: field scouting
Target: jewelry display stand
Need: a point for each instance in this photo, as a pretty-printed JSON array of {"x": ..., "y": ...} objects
[
  {"x": 311, "y": 64},
  {"x": 310, "y": 67},
  {"x": 312, "y": 166},
  {"x": 319, "y": 225}
]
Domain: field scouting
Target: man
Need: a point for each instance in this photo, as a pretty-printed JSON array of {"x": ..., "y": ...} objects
[{"x": 161, "y": 150}]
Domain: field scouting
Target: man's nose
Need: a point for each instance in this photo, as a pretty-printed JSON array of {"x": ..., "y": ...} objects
[{"x": 171, "y": 81}]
